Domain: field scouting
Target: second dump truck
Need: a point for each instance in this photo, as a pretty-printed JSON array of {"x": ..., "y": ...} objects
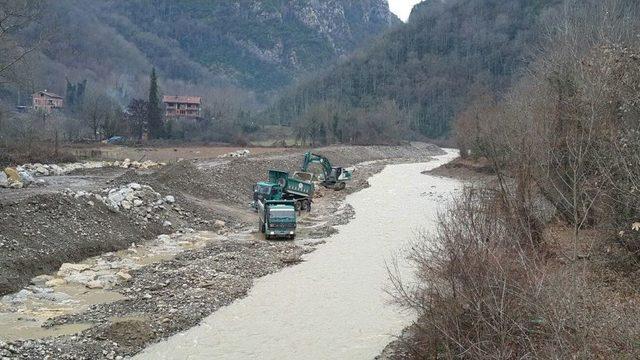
[
  {"x": 277, "y": 219},
  {"x": 282, "y": 186}
]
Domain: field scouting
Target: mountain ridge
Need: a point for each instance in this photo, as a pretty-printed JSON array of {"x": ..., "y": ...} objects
[{"x": 256, "y": 45}]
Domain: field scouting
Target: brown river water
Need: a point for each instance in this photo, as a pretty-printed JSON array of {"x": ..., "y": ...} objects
[{"x": 334, "y": 305}]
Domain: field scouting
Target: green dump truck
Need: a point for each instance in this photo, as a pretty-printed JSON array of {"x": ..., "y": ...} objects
[
  {"x": 282, "y": 186},
  {"x": 277, "y": 219}
]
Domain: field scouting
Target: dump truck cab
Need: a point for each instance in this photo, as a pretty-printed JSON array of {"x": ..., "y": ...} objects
[
  {"x": 277, "y": 219},
  {"x": 264, "y": 191}
]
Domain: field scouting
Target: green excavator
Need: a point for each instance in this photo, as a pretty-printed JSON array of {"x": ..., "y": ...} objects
[{"x": 332, "y": 177}]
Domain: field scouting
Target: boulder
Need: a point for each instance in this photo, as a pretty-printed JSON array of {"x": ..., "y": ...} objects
[
  {"x": 130, "y": 196},
  {"x": 148, "y": 165},
  {"x": 42, "y": 170},
  {"x": 56, "y": 170},
  {"x": 81, "y": 278},
  {"x": 26, "y": 178},
  {"x": 118, "y": 196},
  {"x": 95, "y": 284},
  {"x": 68, "y": 268},
  {"x": 16, "y": 185},
  {"x": 4, "y": 180},
  {"x": 127, "y": 205},
  {"x": 123, "y": 275},
  {"x": 219, "y": 224},
  {"x": 12, "y": 175},
  {"x": 169, "y": 199}
]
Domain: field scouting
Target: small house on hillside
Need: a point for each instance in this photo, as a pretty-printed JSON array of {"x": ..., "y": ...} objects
[
  {"x": 47, "y": 101},
  {"x": 182, "y": 106}
]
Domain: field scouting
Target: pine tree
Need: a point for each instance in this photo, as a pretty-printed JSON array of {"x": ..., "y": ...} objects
[
  {"x": 75, "y": 95},
  {"x": 154, "y": 111}
]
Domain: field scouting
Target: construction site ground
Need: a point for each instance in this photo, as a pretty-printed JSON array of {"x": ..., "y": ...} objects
[{"x": 221, "y": 253}]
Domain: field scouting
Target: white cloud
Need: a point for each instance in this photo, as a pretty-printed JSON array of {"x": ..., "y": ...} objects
[{"x": 402, "y": 8}]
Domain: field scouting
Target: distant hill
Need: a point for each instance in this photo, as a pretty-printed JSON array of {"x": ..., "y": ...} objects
[
  {"x": 258, "y": 45},
  {"x": 428, "y": 66}
]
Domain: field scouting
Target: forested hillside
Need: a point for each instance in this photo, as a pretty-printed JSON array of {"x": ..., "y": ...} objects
[
  {"x": 426, "y": 69},
  {"x": 540, "y": 260},
  {"x": 255, "y": 45}
]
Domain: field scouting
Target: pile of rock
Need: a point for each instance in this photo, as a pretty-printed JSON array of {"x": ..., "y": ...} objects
[
  {"x": 134, "y": 195},
  {"x": 140, "y": 201},
  {"x": 53, "y": 169},
  {"x": 239, "y": 153},
  {"x": 16, "y": 178},
  {"x": 27, "y": 174},
  {"x": 104, "y": 274}
]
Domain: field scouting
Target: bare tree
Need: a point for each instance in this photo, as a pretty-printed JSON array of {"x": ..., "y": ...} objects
[
  {"x": 136, "y": 117},
  {"x": 15, "y": 15}
]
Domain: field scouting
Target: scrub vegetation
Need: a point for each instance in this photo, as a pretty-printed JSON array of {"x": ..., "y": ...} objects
[{"x": 542, "y": 262}]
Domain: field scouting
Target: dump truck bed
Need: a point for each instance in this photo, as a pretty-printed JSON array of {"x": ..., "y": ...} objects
[{"x": 291, "y": 185}]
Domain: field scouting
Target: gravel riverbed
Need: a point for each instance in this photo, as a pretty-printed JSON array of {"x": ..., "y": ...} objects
[{"x": 167, "y": 296}]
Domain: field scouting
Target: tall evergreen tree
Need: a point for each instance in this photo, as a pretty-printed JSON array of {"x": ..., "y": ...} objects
[
  {"x": 154, "y": 111},
  {"x": 75, "y": 94}
]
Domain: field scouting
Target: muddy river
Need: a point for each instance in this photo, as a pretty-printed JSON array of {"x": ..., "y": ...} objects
[{"x": 334, "y": 305}]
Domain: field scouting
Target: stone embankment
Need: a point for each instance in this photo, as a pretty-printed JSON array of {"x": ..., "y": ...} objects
[{"x": 30, "y": 174}]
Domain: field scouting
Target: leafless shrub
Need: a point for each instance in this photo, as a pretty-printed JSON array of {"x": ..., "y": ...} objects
[
  {"x": 483, "y": 292},
  {"x": 34, "y": 137},
  {"x": 560, "y": 131}
]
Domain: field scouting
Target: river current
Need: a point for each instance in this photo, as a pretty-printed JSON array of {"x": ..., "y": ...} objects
[{"x": 334, "y": 305}]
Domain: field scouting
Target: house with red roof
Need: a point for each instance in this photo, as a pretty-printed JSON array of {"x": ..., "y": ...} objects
[
  {"x": 182, "y": 106},
  {"x": 47, "y": 101}
]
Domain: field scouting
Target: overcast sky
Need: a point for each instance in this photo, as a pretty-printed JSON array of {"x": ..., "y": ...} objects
[{"x": 402, "y": 8}]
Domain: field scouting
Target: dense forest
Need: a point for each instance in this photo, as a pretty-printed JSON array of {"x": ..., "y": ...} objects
[
  {"x": 408, "y": 83},
  {"x": 427, "y": 67}
]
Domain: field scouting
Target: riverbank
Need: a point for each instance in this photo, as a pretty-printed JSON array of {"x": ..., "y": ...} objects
[
  {"x": 171, "y": 295},
  {"x": 588, "y": 280}
]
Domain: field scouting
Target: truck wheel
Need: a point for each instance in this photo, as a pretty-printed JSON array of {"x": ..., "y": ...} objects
[
  {"x": 307, "y": 205},
  {"x": 261, "y": 226},
  {"x": 297, "y": 205}
]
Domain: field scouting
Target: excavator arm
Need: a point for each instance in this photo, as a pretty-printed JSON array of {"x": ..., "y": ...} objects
[
  {"x": 310, "y": 158},
  {"x": 334, "y": 177}
]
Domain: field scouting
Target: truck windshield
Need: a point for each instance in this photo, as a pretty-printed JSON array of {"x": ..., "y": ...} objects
[
  {"x": 282, "y": 215},
  {"x": 263, "y": 189}
]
